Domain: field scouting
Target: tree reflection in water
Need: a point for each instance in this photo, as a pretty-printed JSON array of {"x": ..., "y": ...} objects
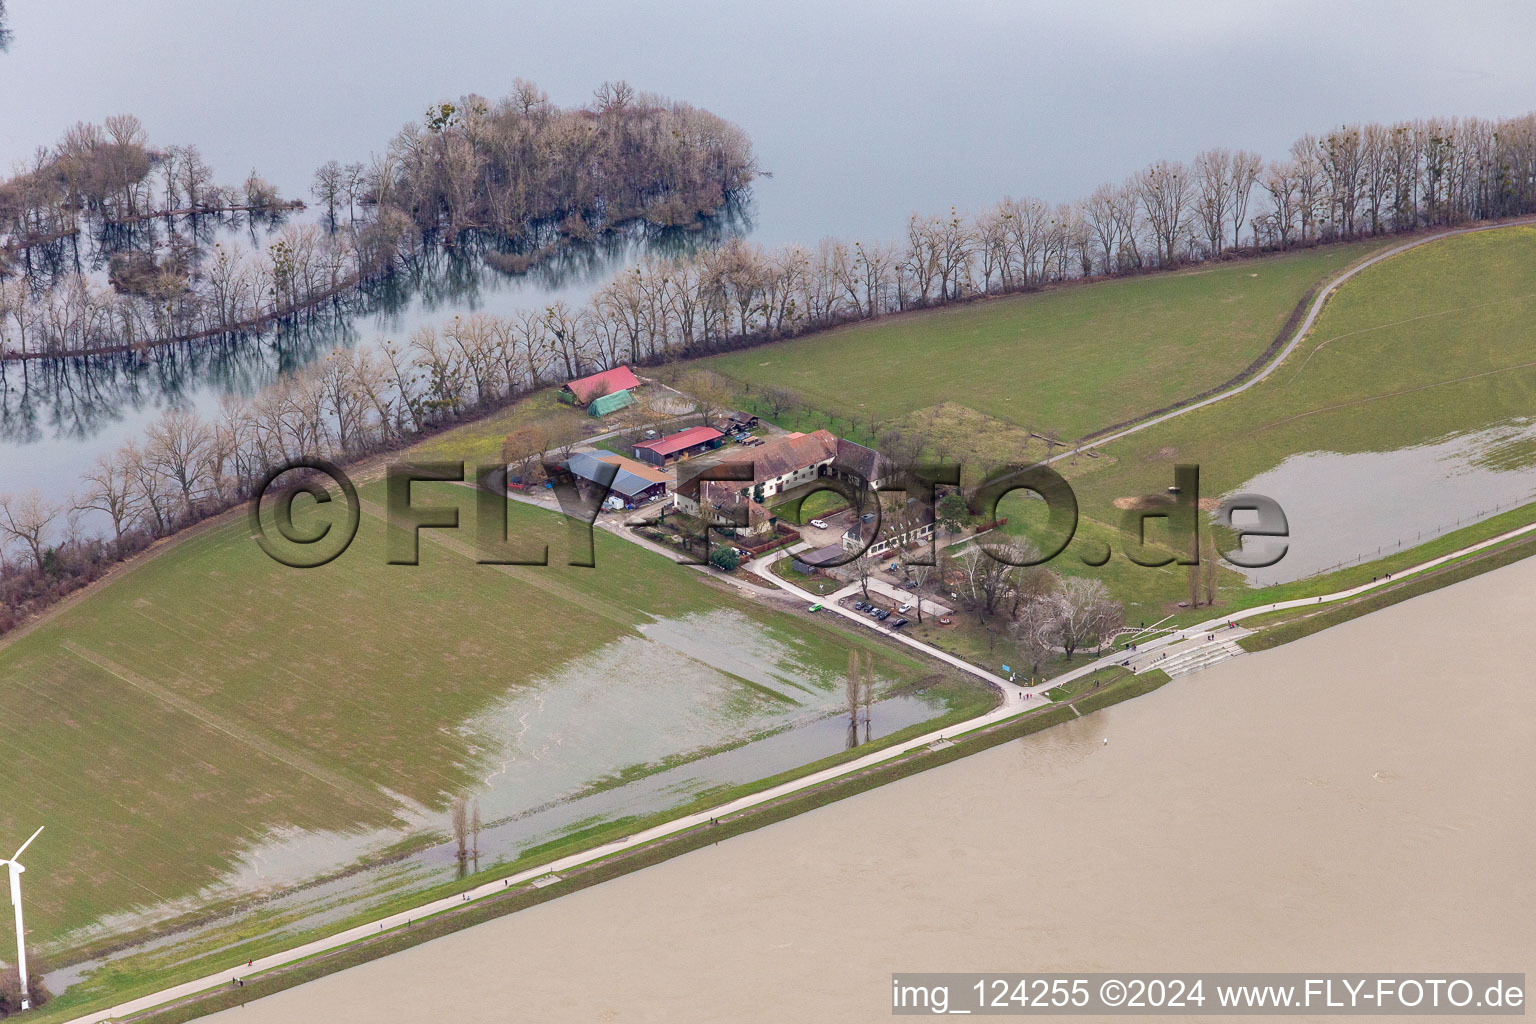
[{"x": 76, "y": 398}]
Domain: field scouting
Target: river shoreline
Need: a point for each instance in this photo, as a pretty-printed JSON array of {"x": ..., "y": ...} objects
[{"x": 1268, "y": 825}]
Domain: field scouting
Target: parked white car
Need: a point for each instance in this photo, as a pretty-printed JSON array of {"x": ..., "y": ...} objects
[
  {"x": 820, "y": 524},
  {"x": 905, "y": 608}
]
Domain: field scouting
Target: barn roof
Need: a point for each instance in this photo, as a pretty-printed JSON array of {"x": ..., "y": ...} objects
[
  {"x": 866, "y": 462},
  {"x": 619, "y": 378},
  {"x": 823, "y": 556},
  {"x": 784, "y": 455},
  {"x": 632, "y": 477},
  {"x": 674, "y": 443}
]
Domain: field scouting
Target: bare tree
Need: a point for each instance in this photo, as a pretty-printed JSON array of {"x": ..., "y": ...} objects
[
  {"x": 1087, "y": 617},
  {"x": 180, "y": 443},
  {"x": 712, "y": 393},
  {"x": 329, "y": 186},
  {"x": 459, "y": 817},
  {"x": 1308, "y": 171},
  {"x": 148, "y": 487},
  {"x": 1034, "y": 630},
  {"x": 1245, "y": 172},
  {"x": 863, "y": 568},
  {"x": 27, "y": 520},
  {"x": 855, "y": 690},
  {"x": 1163, "y": 188},
  {"x": 109, "y": 489},
  {"x": 983, "y": 581},
  {"x": 1213, "y": 195},
  {"x": 921, "y": 576}
]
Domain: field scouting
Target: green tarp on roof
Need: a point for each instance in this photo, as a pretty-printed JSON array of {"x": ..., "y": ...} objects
[{"x": 610, "y": 403}]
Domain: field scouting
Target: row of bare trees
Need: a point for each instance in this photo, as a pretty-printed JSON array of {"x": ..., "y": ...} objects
[
  {"x": 1351, "y": 182},
  {"x": 1169, "y": 213},
  {"x": 227, "y": 293},
  {"x": 503, "y": 167},
  {"x": 1043, "y": 611},
  {"x": 506, "y": 170},
  {"x": 109, "y": 175}
]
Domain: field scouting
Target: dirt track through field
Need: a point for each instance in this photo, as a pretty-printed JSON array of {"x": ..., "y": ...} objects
[
  {"x": 540, "y": 578},
  {"x": 263, "y": 745},
  {"x": 1356, "y": 801}
]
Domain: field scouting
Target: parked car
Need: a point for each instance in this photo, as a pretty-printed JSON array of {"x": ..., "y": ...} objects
[
  {"x": 899, "y": 623},
  {"x": 820, "y": 524},
  {"x": 874, "y": 612},
  {"x": 859, "y": 606},
  {"x": 867, "y": 517},
  {"x": 905, "y": 608},
  {"x": 885, "y": 613}
]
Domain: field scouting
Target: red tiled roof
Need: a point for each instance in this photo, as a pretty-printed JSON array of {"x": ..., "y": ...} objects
[
  {"x": 674, "y": 443},
  {"x": 620, "y": 378},
  {"x": 784, "y": 455}
]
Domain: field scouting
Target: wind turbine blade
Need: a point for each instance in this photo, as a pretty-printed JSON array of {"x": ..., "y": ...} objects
[
  {"x": 17, "y": 854},
  {"x": 16, "y": 890}
]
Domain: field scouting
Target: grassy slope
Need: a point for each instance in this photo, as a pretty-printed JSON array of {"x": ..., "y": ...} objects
[
  {"x": 289, "y": 697},
  {"x": 1437, "y": 340},
  {"x": 1073, "y": 360}
]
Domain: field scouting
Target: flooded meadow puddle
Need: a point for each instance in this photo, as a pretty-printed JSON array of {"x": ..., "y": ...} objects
[
  {"x": 1348, "y": 508},
  {"x": 640, "y": 726}
]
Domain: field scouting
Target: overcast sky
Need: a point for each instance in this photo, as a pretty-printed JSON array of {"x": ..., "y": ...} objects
[{"x": 863, "y": 111}]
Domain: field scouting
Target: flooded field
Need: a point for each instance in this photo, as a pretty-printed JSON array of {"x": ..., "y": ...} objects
[
  {"x": 1358, "y": 800},
  {"x": 700, "y": 704},
  {"x": 1344, "y": 508}
]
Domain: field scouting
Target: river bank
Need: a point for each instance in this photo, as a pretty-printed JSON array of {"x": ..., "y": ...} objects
[{"x": 1353, "y": 800}]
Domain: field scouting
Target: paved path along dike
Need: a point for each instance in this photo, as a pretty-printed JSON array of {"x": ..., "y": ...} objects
[{"x": 1187, "y": 649}]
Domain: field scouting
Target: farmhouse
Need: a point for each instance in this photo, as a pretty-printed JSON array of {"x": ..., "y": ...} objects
[
  {"x": 721, "y": 503},
  {"x": 785, "y": 462},
  {"x": 681, "y": 445},
  {"x": 583, "y": 391},
  {"x": 913, "y": 523},
  {"x": 857, "y": 464},
  {"x": 633, "y": 484}
]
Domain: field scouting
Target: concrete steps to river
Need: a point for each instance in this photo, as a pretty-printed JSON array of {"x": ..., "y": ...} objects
[{"x": 1192, "y": 655}]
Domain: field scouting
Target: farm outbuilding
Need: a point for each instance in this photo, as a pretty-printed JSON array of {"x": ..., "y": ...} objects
[
  {"x": 810, "y": 561},
  {"x": 612, "y": 402},
  {"x": 681, "y": 445},
  {"x": 634, "y": 483},
  {"x": 584, "y": 391}
]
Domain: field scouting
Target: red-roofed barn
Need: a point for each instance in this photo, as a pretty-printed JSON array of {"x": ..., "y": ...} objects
[
  {"x": 681, "y": 445},
  {"x": 584, "y": 390}
]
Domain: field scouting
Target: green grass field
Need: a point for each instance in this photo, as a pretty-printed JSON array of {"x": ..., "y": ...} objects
[
  {"x": 1436, "y": 342},
  {"x": 211, "y": 698},
  {"x": 1431, "y": 343},
  {"x": 1072, "y": 360}
]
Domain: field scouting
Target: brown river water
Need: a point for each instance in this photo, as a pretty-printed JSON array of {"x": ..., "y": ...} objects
[{"x": 1362, "y": 800}]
